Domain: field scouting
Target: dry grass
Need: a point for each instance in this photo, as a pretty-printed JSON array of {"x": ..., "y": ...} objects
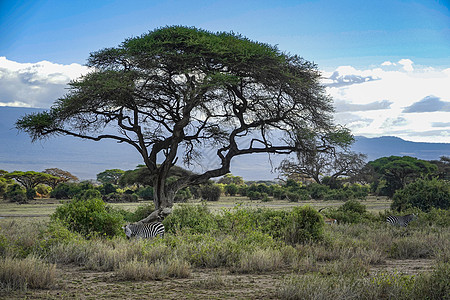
[
  {"x": 142, "y": 270},
  {"x": 31, "y": 272}
]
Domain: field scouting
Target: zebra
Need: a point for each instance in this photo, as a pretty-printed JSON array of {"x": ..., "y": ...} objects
[
  {"x": 400, "y": 220},
  {"x": 144, "y": 230}
]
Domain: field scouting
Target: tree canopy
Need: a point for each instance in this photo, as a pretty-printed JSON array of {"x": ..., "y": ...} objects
[{"x": 175, "y": 90}]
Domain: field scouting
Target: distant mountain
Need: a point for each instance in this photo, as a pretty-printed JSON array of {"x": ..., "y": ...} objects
[
  {"x": 85, "y": 159},
  {"x": 389, "y": 145}
]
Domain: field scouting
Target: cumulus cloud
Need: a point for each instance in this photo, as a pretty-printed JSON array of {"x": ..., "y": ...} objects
[
  {"x": 395, "y": 98},
  {"x": 428, "y": 104},
  {"x": 35, "y": 84},
  {"x": 344, "y": 106}
]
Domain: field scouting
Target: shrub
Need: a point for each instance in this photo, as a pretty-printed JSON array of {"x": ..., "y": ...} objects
[
  {"x": 43, "y": 189},
  {"x": 88, "y": 194},
  {"x": 140, "y": 213},
  {"x": 318, "y": 191},
  {"x": 424, "y": 194},
  {"x": 89, "y": 217},
  {"x": 15, "y": 193},
  {"x": 350, "y": 212},
  {"x": 304, "y": 224},
  {"x": 183, "y": 195},
  {"x": 65, "y": 190},
  {"x": 190, "y": 218},
  {"x": 211, "y": 192},
  {"x": 231, "y": 189},
  {"x": 107, "y": 188},
  {"x": 145, "y": 193}
]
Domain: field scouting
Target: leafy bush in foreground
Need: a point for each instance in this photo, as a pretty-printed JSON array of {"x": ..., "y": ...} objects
[
  {"x": 89, "y": 217},
  {"x": 424, "y": 194}
]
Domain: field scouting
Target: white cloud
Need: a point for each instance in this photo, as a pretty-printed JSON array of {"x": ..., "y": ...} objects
[
  {"x": 378, "y": 98},
  {"x": 407, "y": 64},
  {"x": 382, "y": 106},
  {"x": 35, "y": 84}
]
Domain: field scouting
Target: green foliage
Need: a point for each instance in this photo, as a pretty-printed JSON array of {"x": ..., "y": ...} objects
[
  {"x": 231, "y": 189},
  {"x": 89, "y": 217},
  {"x": 211, "y": 192},
  {"x": 183, "y": 195},
  {"x": 318, "y": 191},
  {"x": 423, "y": 194},
  {"x": 190, "y": 218},
  {"x": 107, "y": 188},
  {"x": 88, "y": 194},
  {"x": 53, "y": 234},
  {"x": 15, "y": 193},
  {"x": 43, "y": 189},
  {"x": 110, "y": 176},
  {"x": 351, "y": 211},
  {"x": 304, "y": 224},
  {"x": 65, "y": 190},
  {"x": 30, "y": 193},
  {"x": 399, "y": 171},
  {"x": 140, "y": 213},
  {"x": 145, "y": 193}
]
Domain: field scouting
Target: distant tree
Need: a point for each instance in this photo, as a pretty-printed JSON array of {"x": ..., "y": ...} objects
[
  {"x": 110, "y": 176},
  {"x": 175, "y": 90},
  {"x": 317, "y": 165},
  {"x": 443, "y": 166},
  {"x": 61, "y": 176},
  {"x": 398, "y": 171},
  {"x": 3, "y": 172},
  {"x": 229, "y": 178},
  {"x": 29, "y": 180}
]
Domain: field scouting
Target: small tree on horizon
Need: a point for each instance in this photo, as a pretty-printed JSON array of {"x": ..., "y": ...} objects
[{"x": 175, "y": 90}]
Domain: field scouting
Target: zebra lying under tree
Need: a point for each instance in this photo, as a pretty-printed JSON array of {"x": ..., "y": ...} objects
[
  {"x": 400, "y": 220},
  {"x": 144, "y": 230}
]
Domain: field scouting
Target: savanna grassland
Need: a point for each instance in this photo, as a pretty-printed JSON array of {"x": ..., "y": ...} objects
[{"x": 230, "y": 249}]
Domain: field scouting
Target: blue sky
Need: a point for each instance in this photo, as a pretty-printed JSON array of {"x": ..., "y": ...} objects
[{"x": 386, "y": 63}]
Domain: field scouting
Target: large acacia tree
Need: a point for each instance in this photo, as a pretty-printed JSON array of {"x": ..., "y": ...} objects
[{"x": 175, "y": 90}]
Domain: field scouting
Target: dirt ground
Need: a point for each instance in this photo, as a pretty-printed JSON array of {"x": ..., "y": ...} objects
[{"x": 76, "y": 283}]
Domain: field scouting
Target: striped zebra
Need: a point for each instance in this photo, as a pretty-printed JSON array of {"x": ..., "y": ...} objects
[
  {"x": 144, "y": 230},
  {"x": 400, "y": 220}
]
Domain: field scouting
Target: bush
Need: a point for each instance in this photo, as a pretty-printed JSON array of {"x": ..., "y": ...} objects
[
  {"x": 423, "y": 194},
  {"x": 190, "y": 218},
  {"x": 145, "y": 193},
  {"x": 350, "y": 212},
  {"x": 140, "y": 213},
  {"x": 118, "y": 197},
  {"x": 231, "y": 189},
  {"x": 318, "y": 191},
  {"x": 65, "y": 190},
  {"x": 89, "y": 217},
  {"x": 304, "y": 224},
  {"x": 211, "y": 192},
  {"x": 15, "y": 193},
  {"x": 107, "y": 188},
  {"x": 183, "y": 195}
]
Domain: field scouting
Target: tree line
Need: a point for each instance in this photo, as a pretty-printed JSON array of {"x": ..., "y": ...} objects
[{"x": 409, "y": 181}]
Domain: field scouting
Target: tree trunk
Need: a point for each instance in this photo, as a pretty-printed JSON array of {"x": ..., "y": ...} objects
[{"x": 163, "y": 199}]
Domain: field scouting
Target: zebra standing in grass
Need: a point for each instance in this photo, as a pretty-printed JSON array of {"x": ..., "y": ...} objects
[
  {"x": 144, "y": 230},
  {"x": 400, "y": 220}
]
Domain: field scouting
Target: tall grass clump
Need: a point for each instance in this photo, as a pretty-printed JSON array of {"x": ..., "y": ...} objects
[
  {"x": 30, "y": 272},
  {"x": 143, "y": 270}
]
